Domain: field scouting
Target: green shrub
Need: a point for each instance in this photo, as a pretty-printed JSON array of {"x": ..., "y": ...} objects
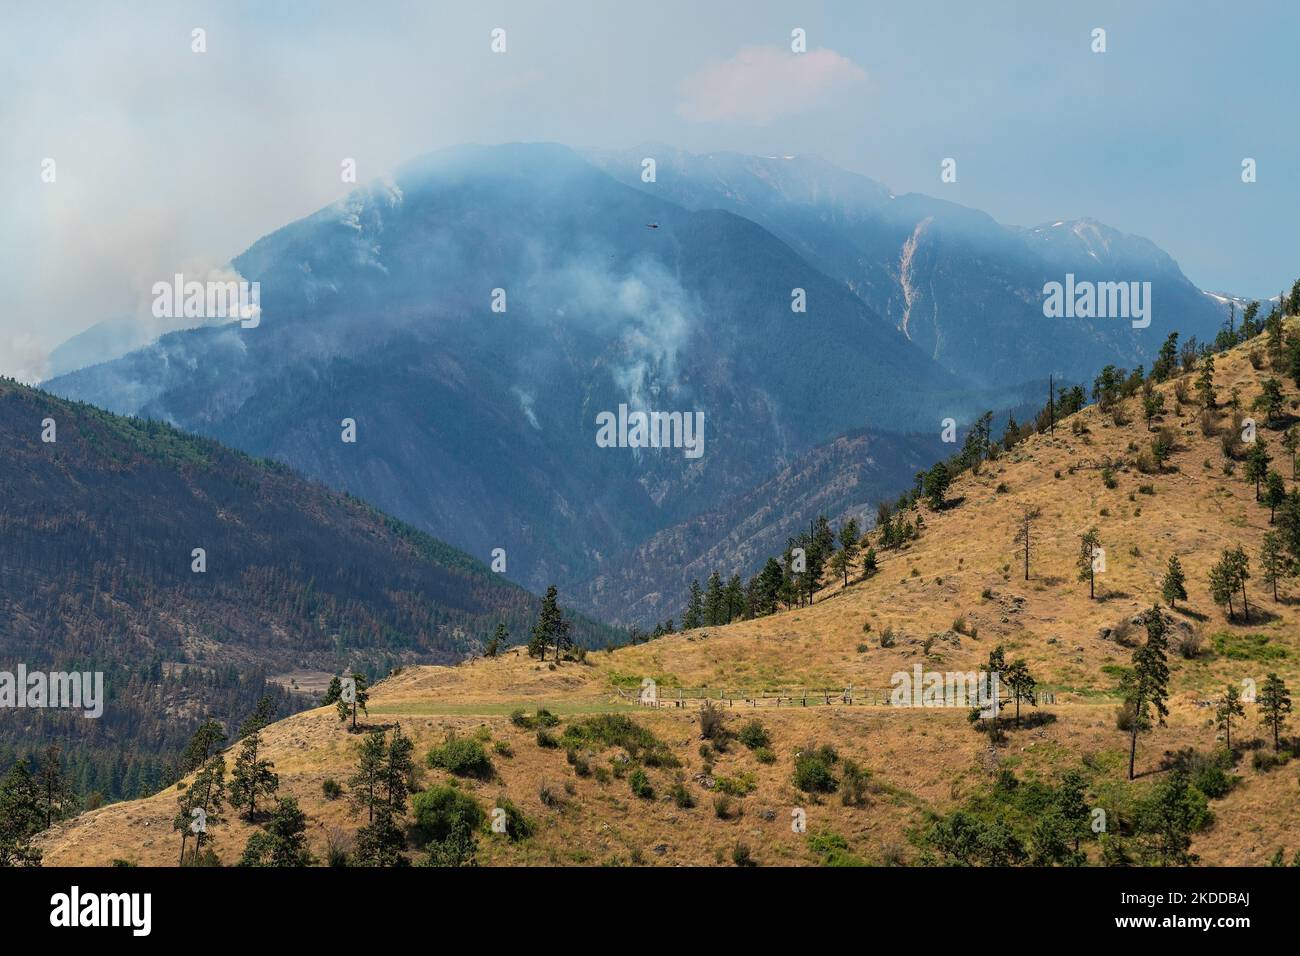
[
  {"x": 441, "y": 812},
  {"x": 619, "y": 730},
  {"x": 853, "y": 784},
  {"x": 741, "y": 855},
  {"x": 331, "y": 788},
  {"x": 754, "y": 735},
  {"x": 740, "y": 785},
  {"x": 462, "y": 756},
  {"x": 682, "y": 796},
  {"x": 518, "y": 826},
  {"x": 832, "y": 849},
  {"x": 578, "y": 762},
  {"x": 640, "y": 784},
  {"x": 812, "y": 770},
  {"x": 765, "y": 755},
  {"x": 547, "y": 740}
]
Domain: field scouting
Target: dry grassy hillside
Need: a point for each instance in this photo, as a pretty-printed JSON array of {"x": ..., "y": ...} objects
[{"x": 965, "y": 565}]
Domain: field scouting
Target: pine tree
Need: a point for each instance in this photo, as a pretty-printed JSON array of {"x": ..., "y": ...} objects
[
  {"x": 206, "y": 795},
  {"x": 1173, "y": 589},
  {"x": 333, "y": 692},
  {"x": 1257, "y": 460},
  {"x": 252, "y": 776},
  {"x": 499, "y": 641},
  {"x": 1274, "y": 494},
  {"x": 398, "y": 772},
  {"x": 1273, "y": 562},
  {"x": 694, "y": 616},
  {"x": 1291, "y": 442},
  {"x": 1271, "y": 400},
  {"x": 551, "y": 628},
  {"x": 56, "y": 794},
  {"x": 1274, "y": 702},
  {"x": 713, "y": 602},
  {"x": 1168, "y": 818},
  {"x": 1022, "y": 684},
  {"x": 1025, "y": 533},
  {"x": 1239, "y": 574},
  {"x": 366, "y": 785},
  {"x": 283, "y": 842},
  {"x": 1222, "y": 585},
  {"x": 381, "y": 842},
  {"x": 22, "y": 816},
  {"x": 1146, "y": 686},
  {"x": 869, "y": 565},
  {"x": 770, "y": 581},
  {"x": 1205, "y": 382},
  {"x": 996, "y": 666},
  {"x": 734, "y": 599},
  {"x": 1228, "y": 707},
  {"x": 1089, "y": 542},
  {"x": 1167, "y": 360},
  {"x": 937, "y": 481},
  {"x": 203, "y": 744},
  {"x": 849, "y": 546},
  {"x": 360, "y": 698}
]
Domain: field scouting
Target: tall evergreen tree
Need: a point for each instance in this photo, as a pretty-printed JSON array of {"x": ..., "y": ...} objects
[
  {"x": 366, "y": 785},
  {"x": 1274, "y": 494},
  {"x": 1168, "y": 818},
  {"x": 1229, "y": 706},
  {"x": 937, "y": 481},
  {"x": 694, "y": 616},
  {"x": 1146, "y": 686},
  {"x": 714, "y": 602},
  {"x": 22, "y": 816},
  {"x": 552, "y": 628},
  {"x": 1205, "y": 382},
  {"x": 253, "y": 776},
  {"x": 206, "y": 794},
  {"x": 360, "y": 695},
  {"x": 850, "y": 536},
  {"x": 1174, "y": 586},
  {"x": 398, "y": 772},
  {"x": 1257, "y": 460},
  {"x": 500, "y": 639},
  {"x": 1025, "y": 536},
  {"x": 1022, "y": 684},
  {"x": 56, "y": 794},
  {"x": 1274, "y": 702},
  {"x": 1273, "y": 562}
]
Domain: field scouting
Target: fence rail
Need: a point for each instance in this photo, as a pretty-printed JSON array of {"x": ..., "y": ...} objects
[{"x": 848, "y": 696}]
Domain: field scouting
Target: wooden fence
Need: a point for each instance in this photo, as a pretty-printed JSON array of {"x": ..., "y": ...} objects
[{"x": 848, "y": 696}]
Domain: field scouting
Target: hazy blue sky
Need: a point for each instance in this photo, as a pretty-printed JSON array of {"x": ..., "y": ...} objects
[{"x": 170, "y": 160}]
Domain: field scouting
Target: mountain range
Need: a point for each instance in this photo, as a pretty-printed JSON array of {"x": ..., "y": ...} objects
[{"x": 474, "y": 314}]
